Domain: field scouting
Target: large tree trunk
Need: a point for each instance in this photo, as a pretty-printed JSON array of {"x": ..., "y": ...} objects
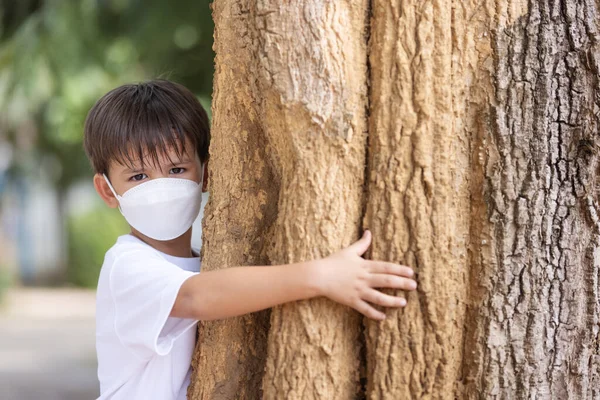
[
  {"x": 534, "y": 329},
  {"x": 418, "y": 193},
  {"x": 229, "y": 357},
  {"x": 475, "y": 124},
  {"x": 289, "y": 137},
  {"x": 313, "y": 97}
]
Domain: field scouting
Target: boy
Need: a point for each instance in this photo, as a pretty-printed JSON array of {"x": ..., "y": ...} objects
[{"x": 148, "y": 144}]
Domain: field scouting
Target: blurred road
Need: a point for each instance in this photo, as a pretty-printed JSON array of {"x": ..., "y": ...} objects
[{"x": 47, "y": 345}]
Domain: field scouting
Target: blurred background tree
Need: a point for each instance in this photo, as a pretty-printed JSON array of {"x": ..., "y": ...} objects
[{"x": 56, "y": 59}]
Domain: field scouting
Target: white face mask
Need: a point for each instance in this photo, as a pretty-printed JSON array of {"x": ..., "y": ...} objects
[{"x": 162, "y": 208}]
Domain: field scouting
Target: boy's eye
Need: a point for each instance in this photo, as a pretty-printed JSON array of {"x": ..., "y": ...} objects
[
  {"x": 138, "y": 177},
  {"x": 177, "y": 170}
]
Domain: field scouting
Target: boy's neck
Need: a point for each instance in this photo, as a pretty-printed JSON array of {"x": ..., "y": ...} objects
[{"x": 178, "y": 247}]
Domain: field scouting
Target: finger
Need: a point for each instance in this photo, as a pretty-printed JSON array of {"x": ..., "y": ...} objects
[
  {"x": 376, "y": 297},
  {"x": 360, "y": 246},
  {"x": 391, "y": 281},
  {"x": 369, "y": 311},
  {"x": 384, "y": 267}
]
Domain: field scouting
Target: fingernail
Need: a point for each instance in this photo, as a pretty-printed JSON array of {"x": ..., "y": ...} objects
[{"x": 402, "y": 302}]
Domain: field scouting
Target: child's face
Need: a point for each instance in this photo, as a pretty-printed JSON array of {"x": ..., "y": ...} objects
[{"x": 123, "y": 177}]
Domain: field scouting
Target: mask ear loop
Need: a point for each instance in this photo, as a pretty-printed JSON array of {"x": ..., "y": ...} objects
[
  {"x": 202, "y": 176},
  {"x": 113, "y": 190},
  {"x": 110, "y": 186}
]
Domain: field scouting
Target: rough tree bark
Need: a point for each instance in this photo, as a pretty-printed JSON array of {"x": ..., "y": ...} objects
[
  {"x": 418, "y": 193},
  {"x": 464, "y": 134},
  {"x": 534, "y": 331},
  {"x": 313, "y": 95},
  {"x": 293, "y": 104},
  {"x": 229, "y": 358}
]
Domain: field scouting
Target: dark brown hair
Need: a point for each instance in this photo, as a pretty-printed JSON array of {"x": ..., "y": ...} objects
[{"x": 144, "y": 119}]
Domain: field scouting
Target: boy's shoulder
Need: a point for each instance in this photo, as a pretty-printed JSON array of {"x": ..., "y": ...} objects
[
  {"x": 127, "y": 260},
  {"x": 132, "y": 246},
  {"x": 130, "y": 256}
]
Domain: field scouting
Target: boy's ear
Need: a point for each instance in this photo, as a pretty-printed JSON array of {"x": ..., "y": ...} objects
[
  {"x": 104, "y": 191},
  {"x": 205, "y": 178}
]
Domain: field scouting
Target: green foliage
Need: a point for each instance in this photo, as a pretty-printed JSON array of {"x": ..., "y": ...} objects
[
  {"x": 90, "y": 235},
  {"x": 58, "y": 57},
  {"x": 5, "y": 282}
]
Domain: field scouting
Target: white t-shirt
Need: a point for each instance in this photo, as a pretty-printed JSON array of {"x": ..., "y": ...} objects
[{"x": 142, "y": 352}]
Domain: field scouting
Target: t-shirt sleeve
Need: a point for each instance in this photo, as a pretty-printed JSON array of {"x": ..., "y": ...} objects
[{"x": 144, "y": 290}]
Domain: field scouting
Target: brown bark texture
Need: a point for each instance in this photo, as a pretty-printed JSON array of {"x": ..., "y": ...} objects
[
  {"x": 229, "y": 360},
  {"x": 533, "y": 329},
  {"x": 418, "y": 194},
  {"x": 313, "y": 103},
  {"x": 464, "y": 135},
  {"x": 289, "y": 137}
]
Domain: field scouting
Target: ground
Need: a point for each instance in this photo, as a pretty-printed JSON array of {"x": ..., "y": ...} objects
[{"x": 47, "y": 345}]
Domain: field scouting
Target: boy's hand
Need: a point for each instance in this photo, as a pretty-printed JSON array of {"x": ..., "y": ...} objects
[{"x": 349, "y": 279}]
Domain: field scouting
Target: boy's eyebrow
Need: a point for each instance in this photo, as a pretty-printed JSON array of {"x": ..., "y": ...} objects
[
  {"x": 128, "y": 170},
  {"x": 137, "y": 170},
  {"x": 182, "y": 161}
]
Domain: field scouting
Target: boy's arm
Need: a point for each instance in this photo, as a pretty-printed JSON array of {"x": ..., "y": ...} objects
[
  {"x": 240, "y": 290},
  {"x": 344, "y": 277}
]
